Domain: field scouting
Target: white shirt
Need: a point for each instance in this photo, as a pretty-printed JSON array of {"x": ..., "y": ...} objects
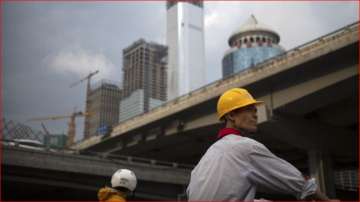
[{"x": 234, "y": 167}]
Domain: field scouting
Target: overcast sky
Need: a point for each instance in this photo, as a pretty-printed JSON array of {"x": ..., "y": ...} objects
[{"x": 49, "y": 45}]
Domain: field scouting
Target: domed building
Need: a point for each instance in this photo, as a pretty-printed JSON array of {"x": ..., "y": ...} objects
[{"x": 251, "y": 44}]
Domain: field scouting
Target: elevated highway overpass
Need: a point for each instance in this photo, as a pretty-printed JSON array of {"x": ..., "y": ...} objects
[
  {"x": 309, "y": 118},
  {"x": 42, "y": 175},
  {"x": 313, "y": 85}
]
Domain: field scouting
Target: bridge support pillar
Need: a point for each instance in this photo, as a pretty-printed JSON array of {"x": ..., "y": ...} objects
[{"x": 321, "y": 168}]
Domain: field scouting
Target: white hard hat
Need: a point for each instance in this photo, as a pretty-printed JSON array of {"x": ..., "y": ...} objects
[{"x": 124, "y": 178}]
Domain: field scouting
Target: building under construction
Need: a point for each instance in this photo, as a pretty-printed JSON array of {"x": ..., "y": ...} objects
[
  {"x": 103, "y": 108},
  {"x": 145, "y": 80}
]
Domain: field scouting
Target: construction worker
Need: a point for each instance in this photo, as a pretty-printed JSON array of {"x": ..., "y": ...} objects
[
  {"x": 236, "y": 166},
  {"x": 123, "y": 182}
]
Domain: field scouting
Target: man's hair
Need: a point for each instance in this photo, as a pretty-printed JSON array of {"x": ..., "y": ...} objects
[{"x": 224, "y": 119}]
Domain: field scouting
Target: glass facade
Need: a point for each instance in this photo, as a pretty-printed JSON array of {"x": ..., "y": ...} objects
[
  {"x": 347, "y": 179},
  {"x": 134, "y": 105},
  {"x": 243, "y": 58},
  {"x": 55, "y": 141}
]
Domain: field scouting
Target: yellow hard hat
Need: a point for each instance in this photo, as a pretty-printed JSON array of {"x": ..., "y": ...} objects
[{"x": 232, "y": 99}]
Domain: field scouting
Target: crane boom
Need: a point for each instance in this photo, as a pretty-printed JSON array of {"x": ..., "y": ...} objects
[
  {"x": 88, "y": 77},
  {"x": 50, "y": 118},
  {"x": 71, "y": 124}
]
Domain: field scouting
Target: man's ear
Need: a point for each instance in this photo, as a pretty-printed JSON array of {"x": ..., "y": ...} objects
[{"x": 230, "y": 116}]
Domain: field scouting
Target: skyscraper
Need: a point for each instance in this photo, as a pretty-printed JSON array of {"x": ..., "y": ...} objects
[
  {"x": 144, "y": 67},
  {"x": 185, "y": 39},
  {"x": 251, "y": 44},
  {"x": 104, "y": 107}
]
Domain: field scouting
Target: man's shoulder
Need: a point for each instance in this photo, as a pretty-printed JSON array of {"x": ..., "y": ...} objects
[
  {"x": 238, "y": 143},
  {"x": 241, "y": 140}
]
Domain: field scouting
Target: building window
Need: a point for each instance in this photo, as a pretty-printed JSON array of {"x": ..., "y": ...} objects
[
  {"x": 239, "y": 44},
  {"x": 248, "y": 42},
  {"x": 234, "y": 44},
  {"x": 258, "y": 41},
  {"x": 269, "y": 42}
]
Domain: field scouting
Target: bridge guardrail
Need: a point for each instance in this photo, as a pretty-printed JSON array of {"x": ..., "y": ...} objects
[
  {"x": 133, "y": 159},
  {"x": 128, "y": 159}
]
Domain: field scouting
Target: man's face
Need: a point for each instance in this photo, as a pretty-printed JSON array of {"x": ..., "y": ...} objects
[{"x": 245, "y": 118}]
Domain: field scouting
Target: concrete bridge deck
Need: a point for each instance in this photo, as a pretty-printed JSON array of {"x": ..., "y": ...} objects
[{"x": 82, "y": 174}]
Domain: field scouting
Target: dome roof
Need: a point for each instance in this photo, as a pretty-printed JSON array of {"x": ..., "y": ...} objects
[{"x": 252, "y": 25}]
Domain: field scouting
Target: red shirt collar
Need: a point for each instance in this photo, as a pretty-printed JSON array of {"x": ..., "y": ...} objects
[{"x": 227, "y": 131}]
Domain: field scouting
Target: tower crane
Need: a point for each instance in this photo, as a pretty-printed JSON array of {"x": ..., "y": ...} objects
[
  {"x": 87, "y": 102},
  {"x": 71, "y": 125}
]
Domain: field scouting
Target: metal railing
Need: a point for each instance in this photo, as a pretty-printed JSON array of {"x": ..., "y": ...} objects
[{"x": 101, "y": 155}]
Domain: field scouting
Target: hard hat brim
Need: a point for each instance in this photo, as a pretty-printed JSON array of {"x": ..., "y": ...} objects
[{"x": 240, "y": 106}]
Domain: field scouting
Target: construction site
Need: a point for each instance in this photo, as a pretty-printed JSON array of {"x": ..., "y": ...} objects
[{"x": 308, "y": 117}]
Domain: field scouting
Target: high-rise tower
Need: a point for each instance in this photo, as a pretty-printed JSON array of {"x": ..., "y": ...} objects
[
  {"x": 185, "y": 39},
  {"x": 104, "y": 107},
  {"x": 144, "y": 67}
]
